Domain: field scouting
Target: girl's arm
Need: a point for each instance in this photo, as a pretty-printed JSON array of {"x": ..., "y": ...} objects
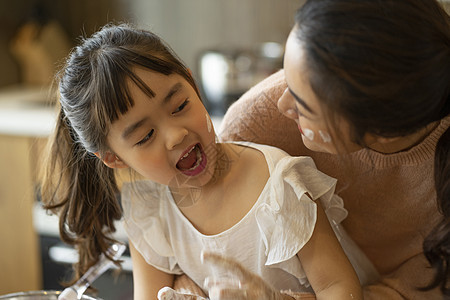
[
  {"x": 147, "y": 280},
  {"x": 326, "y": 266}
]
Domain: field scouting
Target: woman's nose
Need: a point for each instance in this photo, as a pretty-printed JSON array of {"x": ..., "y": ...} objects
[
  {"x": 175, "y": 136},
  {"x": 286, "y": 105}
]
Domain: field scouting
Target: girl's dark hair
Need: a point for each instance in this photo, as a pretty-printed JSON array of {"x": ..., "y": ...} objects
[
  {"x": 93, "y": 93},
  {"x": 384, "y": 66}
]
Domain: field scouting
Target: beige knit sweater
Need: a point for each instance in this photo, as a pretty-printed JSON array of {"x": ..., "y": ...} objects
[{"x": 390, "y": 198}]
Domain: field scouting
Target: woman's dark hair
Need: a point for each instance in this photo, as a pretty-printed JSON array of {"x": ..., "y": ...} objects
[
  {"x": 93, "y": 93},
  {"x": 384, "y": 66}
]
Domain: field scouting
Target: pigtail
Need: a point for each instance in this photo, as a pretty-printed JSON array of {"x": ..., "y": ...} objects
[
  {"x": 437, "y": 243},
  {"x": 83, "y": 192}
]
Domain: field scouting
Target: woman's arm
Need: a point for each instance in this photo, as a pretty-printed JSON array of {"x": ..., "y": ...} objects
[
  {"x": 147, "y": 280},
  {"x": 326, "y": 266}
]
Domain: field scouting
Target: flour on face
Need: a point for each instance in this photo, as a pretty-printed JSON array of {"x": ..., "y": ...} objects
[
  {"x": 325, "y": 136},
  {"x": 208, "y": 122},
  {"x": 308, "y": 133}
]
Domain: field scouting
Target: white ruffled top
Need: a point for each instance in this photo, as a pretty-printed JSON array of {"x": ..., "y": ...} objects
[{"x": 266, "y": 240}]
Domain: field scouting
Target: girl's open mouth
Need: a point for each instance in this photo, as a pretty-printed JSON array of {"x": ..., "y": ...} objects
[{"x": 193, "y": 162}]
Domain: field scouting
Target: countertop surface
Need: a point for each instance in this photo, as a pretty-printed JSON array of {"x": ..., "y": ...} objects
[{"x": 25, "y": 111}]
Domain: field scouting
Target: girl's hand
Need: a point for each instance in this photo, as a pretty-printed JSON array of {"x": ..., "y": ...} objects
[
  {"x": 239, "y": 284},
  {"x": 167, "y": 293}
]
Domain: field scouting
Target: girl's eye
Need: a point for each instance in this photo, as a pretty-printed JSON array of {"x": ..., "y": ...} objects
[
  {"x": 146, "y": 138},
  {"x": 181, "y": 107}
]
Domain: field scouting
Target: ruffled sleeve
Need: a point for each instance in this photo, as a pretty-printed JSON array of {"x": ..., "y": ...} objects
[
  {"x": 142, "y": 209},
  {"x": 287, "y": 219}
]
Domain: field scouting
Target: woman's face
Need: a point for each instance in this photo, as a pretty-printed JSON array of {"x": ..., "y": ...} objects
[
  {"x": 300, "y": 103},
  {"x": 167, "y": 138}
]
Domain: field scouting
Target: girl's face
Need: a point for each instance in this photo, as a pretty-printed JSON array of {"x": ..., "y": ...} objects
[
  {"x": 300, "y": 103},
  {"x": 168, "y": 138}
]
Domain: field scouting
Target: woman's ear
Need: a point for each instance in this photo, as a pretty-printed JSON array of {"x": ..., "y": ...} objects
[
  {"x": 111, "y": 160},
  {"x": 371, "y": 139},
  {"x": 383, "y": 144}
]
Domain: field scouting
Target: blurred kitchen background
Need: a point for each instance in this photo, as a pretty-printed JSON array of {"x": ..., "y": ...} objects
[{"x": 229, "y": 45}]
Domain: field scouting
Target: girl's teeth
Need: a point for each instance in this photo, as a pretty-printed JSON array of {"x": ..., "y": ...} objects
[
  {"x": 199, "y": 161},
  {"x": 198, "y": 157},
  {"x": 187, "y": 153}
]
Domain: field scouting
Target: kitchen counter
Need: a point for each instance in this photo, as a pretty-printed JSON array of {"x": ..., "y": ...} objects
[
  {"x": 25, "y": 111},
  {"x": 26, "y": 120}
]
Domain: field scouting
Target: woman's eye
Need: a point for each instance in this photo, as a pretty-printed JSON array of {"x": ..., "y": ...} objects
[
  {"x": 146, "y": 138},
  {"x": 299, "y": 113},
  {"x": 181, "y": 107}
]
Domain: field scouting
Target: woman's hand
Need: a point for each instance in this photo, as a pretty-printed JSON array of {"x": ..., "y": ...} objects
[{"x": 167, "y": 293}]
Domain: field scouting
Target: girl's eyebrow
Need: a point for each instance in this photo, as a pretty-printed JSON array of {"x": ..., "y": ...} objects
[
  {"x": 300, "y": 101},
  {"x": 173, "y": 90},
  {"x": 133, "y": 127}
]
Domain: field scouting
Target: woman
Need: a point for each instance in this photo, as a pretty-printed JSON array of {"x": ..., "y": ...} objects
[{"x": 368, "y": 85}]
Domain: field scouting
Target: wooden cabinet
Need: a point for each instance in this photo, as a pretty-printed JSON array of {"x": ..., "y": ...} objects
[{"x": 19, "y": 255}]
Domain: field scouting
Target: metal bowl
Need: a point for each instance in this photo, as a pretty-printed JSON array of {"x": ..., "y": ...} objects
[{"x": 39, "y": 295}]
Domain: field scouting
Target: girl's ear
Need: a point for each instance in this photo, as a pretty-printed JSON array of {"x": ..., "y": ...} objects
[{"x": 111, "y": 160}]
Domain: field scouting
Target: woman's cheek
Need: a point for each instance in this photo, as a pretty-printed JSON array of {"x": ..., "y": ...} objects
[
  {"x": 311, "y": 135},
  {"x": 308, "y": 133},
  {"x": 325, "y": 136}
]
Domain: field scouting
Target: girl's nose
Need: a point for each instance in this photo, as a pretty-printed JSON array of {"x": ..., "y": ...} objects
[
  {"x": 286, "y": 105},
  {"x": 175, "y": 136}
]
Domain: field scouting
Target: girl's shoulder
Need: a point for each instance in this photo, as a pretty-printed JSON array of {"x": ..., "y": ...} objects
[
  {"x": 282, "y": 165},
  {"x": 272, "y": 155}
]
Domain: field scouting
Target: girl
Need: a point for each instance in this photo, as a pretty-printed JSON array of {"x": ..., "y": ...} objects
[
  {"x": 381, "y": 68},
  {"x": 127, "y": 100}
]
